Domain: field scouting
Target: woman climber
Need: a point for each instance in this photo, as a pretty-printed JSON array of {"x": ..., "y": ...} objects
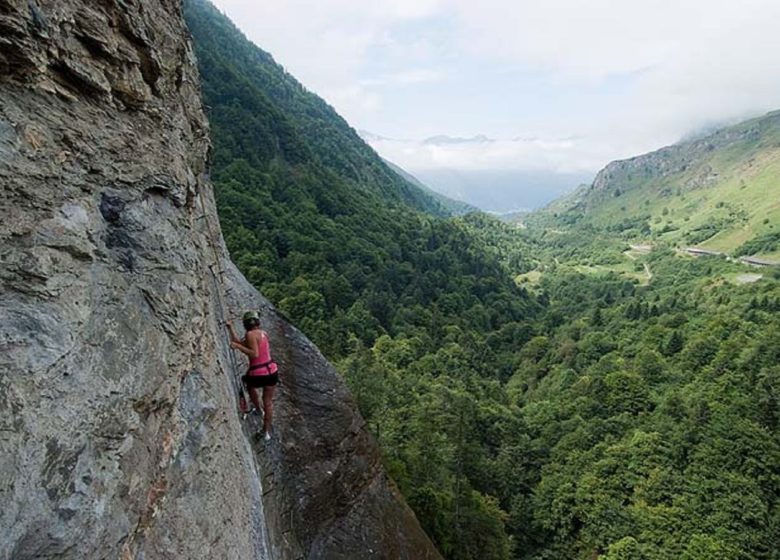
[{"x": 263, "y": 371}]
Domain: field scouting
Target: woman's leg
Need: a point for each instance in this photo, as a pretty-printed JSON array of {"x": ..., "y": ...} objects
[
  {"x": 254, "y": 394},
  {"x": 268, "y": 408}
]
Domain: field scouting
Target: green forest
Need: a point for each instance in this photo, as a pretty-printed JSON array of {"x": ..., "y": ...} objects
[{"x": 538, "y": 391}]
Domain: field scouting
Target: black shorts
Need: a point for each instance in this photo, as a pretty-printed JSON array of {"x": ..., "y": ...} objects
[{"x": 261, "y": 380}]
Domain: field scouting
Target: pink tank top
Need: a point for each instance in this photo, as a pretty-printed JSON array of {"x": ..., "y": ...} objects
[{"x": 263, "y": 364}]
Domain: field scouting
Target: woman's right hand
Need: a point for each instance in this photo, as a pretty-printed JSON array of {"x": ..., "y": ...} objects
[{"x": 231, "y": 332}]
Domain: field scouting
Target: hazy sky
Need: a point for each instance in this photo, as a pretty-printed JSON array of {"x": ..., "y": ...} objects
[{"x": 555, "y": 85}]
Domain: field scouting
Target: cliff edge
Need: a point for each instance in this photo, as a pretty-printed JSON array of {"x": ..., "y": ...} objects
[{"x": 119, "y": 435}]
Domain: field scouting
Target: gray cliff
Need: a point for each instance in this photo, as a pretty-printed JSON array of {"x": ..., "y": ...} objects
[{"x": 119, "y": 436}]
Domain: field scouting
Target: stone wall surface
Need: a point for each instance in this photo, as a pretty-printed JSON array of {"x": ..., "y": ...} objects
[{"x": 119, "y": 436}]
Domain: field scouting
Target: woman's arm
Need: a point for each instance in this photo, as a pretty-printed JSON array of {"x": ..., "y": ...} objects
[
  {"x": 232, "y": 332},
  {"x": 250, "y": 350}
]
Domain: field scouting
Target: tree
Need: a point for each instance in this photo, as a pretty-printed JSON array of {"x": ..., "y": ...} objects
[{"x": 673, "y": 344}]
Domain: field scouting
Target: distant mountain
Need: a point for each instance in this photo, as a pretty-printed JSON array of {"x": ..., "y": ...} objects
[
  {"x": 369, "y": 137},
  {"x": 720, "y": 192},
  {"x": 502, "y": 190},
  {"x": 443, "y": 139},
  {"x": 456, "y": 207},
  {"x": 489, "y": 173}
]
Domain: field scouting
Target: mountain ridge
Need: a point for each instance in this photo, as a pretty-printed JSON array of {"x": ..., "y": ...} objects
[
  {"x": 294, "y": 112},
  {"x": 456, "y": 207},
  {"x": 676, "y": 157},
  {"x": 719, "y": 191}
]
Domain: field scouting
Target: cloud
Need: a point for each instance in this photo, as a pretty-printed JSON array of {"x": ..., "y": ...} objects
[
  {"x": 479, "y": 153},
  {"x": 331, "y": 45},
  {"x": 598, "y": 38},
  {"x": 413, "y": 76},
  {"x": 359, "y": 97},
  {"x": 688, "y": 62},
  {"x": 405, "y": 9},
  {"x": 611, "y": 77}
]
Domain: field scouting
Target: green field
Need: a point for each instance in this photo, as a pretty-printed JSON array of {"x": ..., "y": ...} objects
[{"x": 716, "y": 196}]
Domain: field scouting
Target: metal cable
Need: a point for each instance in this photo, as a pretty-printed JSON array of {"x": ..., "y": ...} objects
[{"x": 219, "y": 288}]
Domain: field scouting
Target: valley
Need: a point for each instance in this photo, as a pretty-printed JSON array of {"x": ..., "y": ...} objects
[
  {"x": 571, "y": 389},
  {"x": 596, "y": 379}
]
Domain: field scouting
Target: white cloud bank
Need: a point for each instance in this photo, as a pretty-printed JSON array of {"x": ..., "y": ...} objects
[
  {"x": 564, "y": 155},
  {"x": 655, "y": 70}
]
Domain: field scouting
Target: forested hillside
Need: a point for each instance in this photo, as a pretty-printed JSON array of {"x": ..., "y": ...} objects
[
  {"x": 356, "y": 256},
  {"x": 651, "y": 398},
  {"x": 456, "y": 207},
  {"x": 543, "y": 393},
  {"x": 263, "y": 117}
]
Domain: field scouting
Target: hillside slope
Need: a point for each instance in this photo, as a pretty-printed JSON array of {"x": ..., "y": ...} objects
[
  {"x": 254, "y": 103},
  {"x": 367, "y": 272},
  {"x": 119, "y": 435},
  {"x": 720, "y": 192},
  {"x": 651, "y": 396},
  {"x": 328, "y": 242},
  {"x": 456, "y": 207}
]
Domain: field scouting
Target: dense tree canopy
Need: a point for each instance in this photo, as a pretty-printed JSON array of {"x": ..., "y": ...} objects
[{"x": 536, "y": 393}]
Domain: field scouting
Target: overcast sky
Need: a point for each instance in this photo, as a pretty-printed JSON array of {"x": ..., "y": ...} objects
[{"x": 554, "y": 85}]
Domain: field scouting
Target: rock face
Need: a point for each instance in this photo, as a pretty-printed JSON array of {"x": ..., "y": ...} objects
[{"x": 119, "y": 435}]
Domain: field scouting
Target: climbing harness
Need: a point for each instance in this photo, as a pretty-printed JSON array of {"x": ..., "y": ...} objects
[{"x": 266, "y": 365}]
